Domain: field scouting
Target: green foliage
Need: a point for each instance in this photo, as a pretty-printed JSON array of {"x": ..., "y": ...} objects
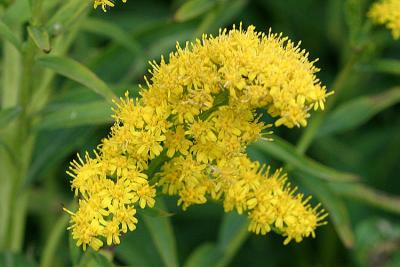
[{"x": 62, "y": 64}]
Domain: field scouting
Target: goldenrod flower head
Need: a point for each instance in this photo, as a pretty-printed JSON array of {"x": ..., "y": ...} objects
[
  {"x": 387, "y": 12},
  {"x": 105, "y": 4},
  {"x": 196, "y": 115}
]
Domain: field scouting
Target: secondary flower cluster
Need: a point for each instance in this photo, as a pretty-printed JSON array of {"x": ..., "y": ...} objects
[
  {"x": 387, "y": 12},
  {"x": 105, "y": 4},
  {"x": 189, "y": 131}
]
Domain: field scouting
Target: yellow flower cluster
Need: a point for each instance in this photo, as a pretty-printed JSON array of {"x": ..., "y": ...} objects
[
  {"x": 387, "y": 12},
  {"x": 105, "y": 4},
  {"x": 191, "y": 127}
]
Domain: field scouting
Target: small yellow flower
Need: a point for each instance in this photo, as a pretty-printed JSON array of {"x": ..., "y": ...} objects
[
  {"x": 387, "y": 12},
  {"x": 195, "y": 118},
  {"x": 105, "y": 4}
]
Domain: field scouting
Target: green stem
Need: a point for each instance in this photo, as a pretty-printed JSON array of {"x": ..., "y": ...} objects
[{"x": 56, "y": 234}]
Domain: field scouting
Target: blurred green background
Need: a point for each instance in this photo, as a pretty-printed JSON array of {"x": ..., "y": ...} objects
[{"x": 61, "y": 63}]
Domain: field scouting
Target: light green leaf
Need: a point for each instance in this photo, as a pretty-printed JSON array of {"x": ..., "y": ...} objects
[
  {"x": 40, "y": 37},
  {"x": 356, "y": 112},
  {"x": 112, "y": 31},
  {"x": 8, "y": 115},
  {"x": 7, "y": 34},
  {"x": 286, "y": 152},
  {"x": 162, "y": 234},
  {"x": 77, "y": 114},
  {"x": 66, "y": 15},
  {"x": 337, "y": 209},
  {"x": 77, "y": 72},
  {"x": 192, "y": 9}
]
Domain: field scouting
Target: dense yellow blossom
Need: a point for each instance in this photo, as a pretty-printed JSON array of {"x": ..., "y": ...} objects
[
  {"x": 387, "y": 12},
  {"x": 105, "y": 4},
  {"x": 196, "y": 115}
]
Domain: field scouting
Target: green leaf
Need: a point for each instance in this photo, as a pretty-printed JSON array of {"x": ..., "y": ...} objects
[
  {"x": 101, "y": 260},
  {"x": 337, "y": 209},
  {"x": 192, "y": 9},
  {"x": 40, "y": 37},
  {"x": 66, "y": 16},
  {"x": 286, "y": 152},
  {"x": 77, "y": 72},
  {"x": 368, "y": 195},
  {"x": 8, "y": 115},
  {"x": 204, "y": 255},
  {"x": 162, "y": 234},
  {"x": 7, "y": 34},
  {"x": 74, "y": 251},
  {"x": 112, "y": 31},
  {"x": 389, "y": 66},
  {"x": 9, "y": 259},
  {"x": 232, "y": 234},
  {"x": 77, "y": 114},
  {"x": 357, "y": 111}
]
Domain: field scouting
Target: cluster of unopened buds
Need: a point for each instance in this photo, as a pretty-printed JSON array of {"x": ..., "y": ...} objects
[{"x": 187, "y": 133}]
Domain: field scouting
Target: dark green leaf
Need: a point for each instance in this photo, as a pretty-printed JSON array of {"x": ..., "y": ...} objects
[
  {"x": 337, "y": 209},
  {"x": 75, "y": 252},
  {"x": 389, "y": 66},
  {"x": 357, "y": 111},
  {"x": 101, "y": 260},
  {"x": 112, "y": 31},
  {"x": 77, "y": 72},
  {"x": 8, "y": 115},
  {"x": 368, "y": 195},
  {"x": 162, "y": 234},
  {"x": 204, "y": 255},
  {"x": 232, "y": 234},
  {"x": 9, "y": 259},
  {"x": 286, "y": 152}
]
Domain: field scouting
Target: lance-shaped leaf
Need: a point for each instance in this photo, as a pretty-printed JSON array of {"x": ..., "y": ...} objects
[
  {"x": 192, "y": 9},
  {"x": 77, "y": 72},
  {"x": 7, "y": 34},
  {"x": 358, "y": 111},
  {"x": 337, "y": 209},
  {"x": 284, "y": 151}
]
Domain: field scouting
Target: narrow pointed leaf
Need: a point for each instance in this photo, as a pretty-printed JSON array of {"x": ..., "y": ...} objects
[
  {"x": 286, "y": 152},
  {"x": 338, "y": 212},
  {"x": 40, "y": 37},
  {"x": 161, "y": 232},
  {"x": 192, "y": 9},
  {"x": 368, "y": 195},
  {"x": 8, "y": 115},
  {"x": 77, "y": 72},
  {"x": 7, "y": 34},
  {"x": 77, "y": 114},
  {"x": 388, "y": 66},
  {"x": 358, "y": 111},
  {"x": 112, "y": 31}
]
